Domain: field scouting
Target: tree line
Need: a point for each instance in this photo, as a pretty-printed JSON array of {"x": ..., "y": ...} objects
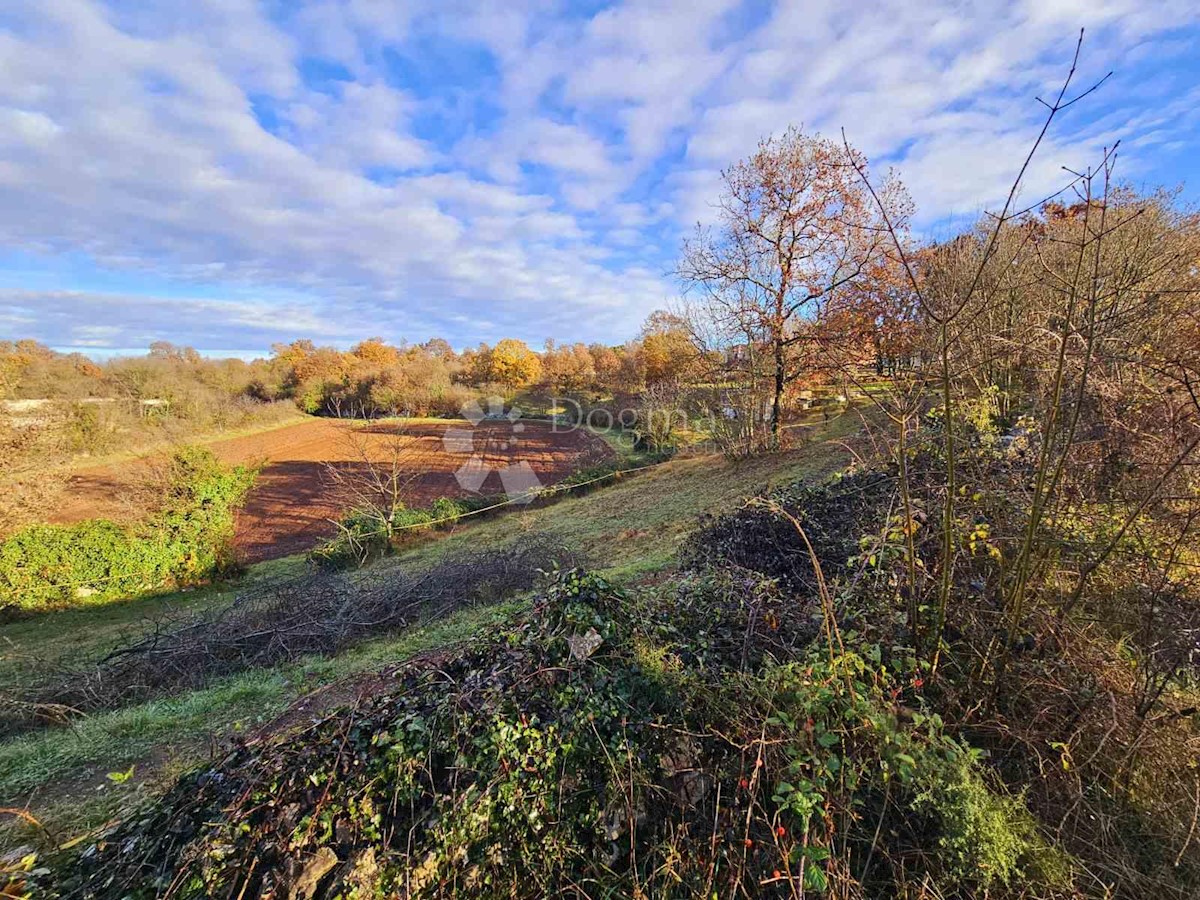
[{"x": 373, "y": 377}]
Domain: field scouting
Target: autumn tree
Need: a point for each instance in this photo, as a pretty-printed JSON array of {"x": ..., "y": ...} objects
[
  {"x": 438, "y": 347},
  {"x": 293, "y": 354},
  {"x": 168, "y": 351},
  {"x": 475, "y": 362},
  {"x": 795, "y": 227},
  {"x": 512, "y": 364},
  {"x": 375, "y": 351},
  {"x": 13, "y": 364},
  {"x": 606, "y": 362},
  {"x": 667, "y": 351},
  {"x": 309, "y": 373},
  {"x": 568, "y": 367}
]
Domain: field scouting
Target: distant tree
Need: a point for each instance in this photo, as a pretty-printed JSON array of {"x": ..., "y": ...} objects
[
  {"x": 14, "y": 361},
  {"x": 313, "y": 375},
  {"x": 376, "y": 352},
  {"x": 513, "y": 364},
  {"x": 567, "y": 368},
  {"x": 169, "y": 351},
  {"x": 293, "y": 353},
  {"x": 667, "y": 352},
  {"x": 606, "y": 362},
  {"x": 438, "y": 347},
  {"x": 84, "y": 366},
  {"x": 477, "y": 364}
]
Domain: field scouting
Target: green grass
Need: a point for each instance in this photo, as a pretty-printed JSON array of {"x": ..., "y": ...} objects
[
  {"x": 620, "y": 442},
  {"x": 637, "y": 523},
  {"x": 626, "y": 529},
  {"x": 61, "y": 773}
]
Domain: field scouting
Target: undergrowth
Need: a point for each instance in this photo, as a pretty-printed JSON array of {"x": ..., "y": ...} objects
[{"x": 596, "y": 746}]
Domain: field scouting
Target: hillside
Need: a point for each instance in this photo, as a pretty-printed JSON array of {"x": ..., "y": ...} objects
[
  {"x": 704, "y": 696},
  {"x": 627, "y": 530}
]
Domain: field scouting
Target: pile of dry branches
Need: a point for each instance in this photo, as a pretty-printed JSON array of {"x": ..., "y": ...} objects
[{"x": 319, "y": 613}]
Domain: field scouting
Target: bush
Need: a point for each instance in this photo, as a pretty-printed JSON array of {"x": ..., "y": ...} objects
[
  {"x": 90, "y": 428},
  {"x": 368, "y": 534},
  {"x": 48, "y": 565},
  {"x": 186, "y": 541},
  {"x": 447, "y": 508}
]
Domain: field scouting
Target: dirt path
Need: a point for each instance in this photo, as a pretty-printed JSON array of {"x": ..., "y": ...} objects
[{"x": 290, "y": 508}]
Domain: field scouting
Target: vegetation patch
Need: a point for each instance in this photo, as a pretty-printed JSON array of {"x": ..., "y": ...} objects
[
  {"x": 587, "y": 747},
  {"x": 276, "y": 623},
  {"x": 377, "y": 529},
  {"x": 370, "y": 533},
  {"x": 187, "y": 541}
]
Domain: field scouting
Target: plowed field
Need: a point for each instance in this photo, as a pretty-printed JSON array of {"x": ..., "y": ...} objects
[{"x": 295, "y": 498}]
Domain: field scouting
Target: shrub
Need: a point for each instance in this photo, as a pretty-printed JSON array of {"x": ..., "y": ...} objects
[
  {"x": 361, "y": 537},
  {"x": 411, "y": 520},
  {"x": 185, "y": 541},
  {"x": 48, "y": 565},
  {"x": 447, "y": 508},
  {"x": 90, "y": 428},
  {"x": 985, "y": 833},
  {"x": 368, "y": 534}
]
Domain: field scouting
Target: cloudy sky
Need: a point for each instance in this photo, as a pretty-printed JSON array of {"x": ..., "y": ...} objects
[{"x": 230, "y": 173}]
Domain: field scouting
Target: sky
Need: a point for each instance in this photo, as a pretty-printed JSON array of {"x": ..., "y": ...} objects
[{"x": 228, "y": 174}]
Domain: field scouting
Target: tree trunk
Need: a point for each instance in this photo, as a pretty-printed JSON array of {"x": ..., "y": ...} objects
[{"x": 777, "y": 400}]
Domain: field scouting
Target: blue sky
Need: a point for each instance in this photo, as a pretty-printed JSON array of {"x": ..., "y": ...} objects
[{"x": 228, "y": 173}]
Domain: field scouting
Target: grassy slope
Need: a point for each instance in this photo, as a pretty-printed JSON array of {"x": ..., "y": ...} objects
[
  {"x": 62, "y": 776},
  {"x": 148, "y": 444},
  {"x": 636, "y": 524},
  {"x": 29, "y": 646},
  {"x": 626, "y": 529}
]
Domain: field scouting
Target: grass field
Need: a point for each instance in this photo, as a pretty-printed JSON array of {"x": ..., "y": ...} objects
[{"x": 627, "y": 529}]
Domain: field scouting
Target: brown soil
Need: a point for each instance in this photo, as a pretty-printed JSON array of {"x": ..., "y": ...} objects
[{"x": 292, "y": 504}]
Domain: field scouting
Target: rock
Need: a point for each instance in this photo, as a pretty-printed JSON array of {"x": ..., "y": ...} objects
[
  {"x": 317, "y": 868},
  {"x": 584, "y": 645}
]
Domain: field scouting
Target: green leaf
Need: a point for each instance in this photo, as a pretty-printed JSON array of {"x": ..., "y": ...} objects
[
  {"x": 814, "y": 878},
  {"x": 121, "y": 777}
]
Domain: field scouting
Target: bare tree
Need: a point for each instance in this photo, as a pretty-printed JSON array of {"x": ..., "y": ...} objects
[{"x": 372, "y": 480}]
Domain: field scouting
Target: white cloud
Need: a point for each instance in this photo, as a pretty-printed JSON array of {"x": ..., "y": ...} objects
[
  {"x": 364, "y": 125},
  {"x": 533, "y": 178},
  {"x": 945, "y": 91}
]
